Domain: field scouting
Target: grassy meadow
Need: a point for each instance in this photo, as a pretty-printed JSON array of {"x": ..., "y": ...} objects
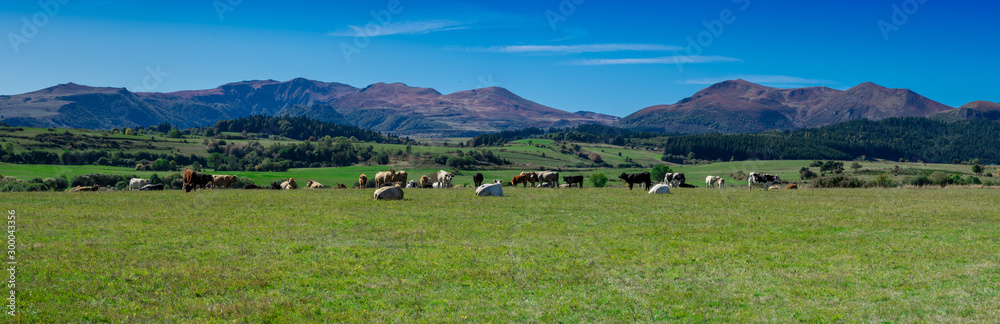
[{"x": 547, "y": 255}]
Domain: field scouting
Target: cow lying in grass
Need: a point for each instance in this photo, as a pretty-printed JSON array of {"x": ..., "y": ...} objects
[
  {"x": 289, "y": 184},
  {"x": 487, "y": 190},
  {"x": 389, "y": 193}
]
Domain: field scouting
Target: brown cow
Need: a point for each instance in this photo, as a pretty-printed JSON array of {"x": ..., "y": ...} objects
[
  {"x": 341, "y": 186},
  {"x": 223, "y": 181},
  {"x": 519, "y": 179},
  {"x": 91, "y": 188},
  {"x": 425, "y": 182},
  {"x": 384, "y": 177},
  {"x": 362, "y": 181},
  {"x": 792, "y": 187},
  {"x": 314, "y": 185},
  {"x": 194, "y": 180},
  {"x": 532, "y": 177}
]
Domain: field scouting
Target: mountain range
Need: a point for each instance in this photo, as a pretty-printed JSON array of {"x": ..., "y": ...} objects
[{"x": 735, "y": 106}]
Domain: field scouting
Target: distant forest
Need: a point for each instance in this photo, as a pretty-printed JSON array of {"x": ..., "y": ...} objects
[{"x": 911, "y": 139}]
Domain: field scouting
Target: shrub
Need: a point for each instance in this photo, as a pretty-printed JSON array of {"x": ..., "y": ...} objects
[
  {"x": 173, "y": 181},
  {"x": 121, "y": 185},
  {"x": 100, "y": 179},
  {"x": 883, "y": 181},
  {"x": 939, "y": 178},
  {"x": 659, "y": 172},
  {"x": 55, "y": 183},
  {"x": 807, "y": 174},
  {"x": 919, "y": 181},
  {"x": 242, "y": 182},
  {"x": 839, "y": 181},
  {"x": 599, "y": 180}
]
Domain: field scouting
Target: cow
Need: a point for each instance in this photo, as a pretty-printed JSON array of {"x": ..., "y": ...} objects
[
  {"x": 570, "y": 180},
  {"x": 389, "y": 193},
  {"x": 552, "y": 178},
  {"x": 223, "y": 181},
  {"x": 766, "y": 179},
  {"x": 276, "y": 185},
  {"x": 531, "y": 177},
  {"x": 425, "y": 182},
  {"x": 400, "y": 176},
  {"x": 444, "y": 177},
  {"x": 314, "y": 185},
  {"x": 384, "y": 176},
  {"x": 478, "y": 179},
  {"x": 487, "y": 190},
  {"x": 711, "y": 181},
  {"x": 136, "y": 183},
  {"x": 289, "y": 184},
  {"x": 152, "y": 187},
  {"x": 193, "y": 180},
  {"x": 633, "y": 178},
  {"x": 412, "y": 184},
  {"x": 543, "y": 185},
  {"x": 660, "y": 188},
  {"x": 519, "y": 179},
  {"x": 793, "y": 186},
  {"x": 674, "y": 179},
  {"x": 437, "y": 185},
  {"x": 721, "y": 183},
  {"x": 341, "y": 186},
  {"x": 362, "y": 181},
  {"x": 685, "y": 185},
  {"x": 91, "y": 188}
]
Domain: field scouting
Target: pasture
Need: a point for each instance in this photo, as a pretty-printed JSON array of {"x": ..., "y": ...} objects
[{"x": 567, "y": 255}]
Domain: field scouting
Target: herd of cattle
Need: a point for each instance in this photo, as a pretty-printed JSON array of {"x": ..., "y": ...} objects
[{"x": 390, "y": 183}]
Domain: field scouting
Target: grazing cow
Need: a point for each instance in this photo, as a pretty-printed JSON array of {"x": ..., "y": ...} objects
[
  {"x": 91, "y": 188},
  {"x": 136, "y": 183},
  {"x": 425, "y": 182},
  {"x": 674, "y": 179},
  {"x": 314, "y": 185},
  {"x": 444, "y": 177},
  {"x": 478, "y": 179},
  {"x": 761, "y": 178},
  {"x": 152, "y": 187},
  {"x": 384, "y": 176},
  {"x": 223, "y": 181},
  {"x": 362, "y": 181},
  {"x": 289, "y": 184},
  {"x": 519, "y": 179},
  {"x": 633, "y": 178},
  {"x": 721, "y": 183},
  {"x": 193, "y": 180},
  {"x": 711, "y": 181},
  {"x": 570, "y": 180},
  {"x": 389, "y": 193},
  {"x": 252, "y": 186},
  {"x": 487, "y": 190},
  {"x": 660, "y": 188},
  {"x": 793, "y": 186},
  {"x": 549, "y": 177}
]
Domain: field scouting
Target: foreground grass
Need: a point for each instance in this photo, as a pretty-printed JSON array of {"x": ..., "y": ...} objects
[{"x": 595, "y": 255}]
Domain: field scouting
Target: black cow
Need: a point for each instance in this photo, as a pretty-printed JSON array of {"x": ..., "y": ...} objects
[
  {"x": 152, "y": 187},
  {"x": 478, "y": 179},
  {"x": 276, "y": 185},
  {"x": 570, "y": 180},
  {"x": 253, "y": 186},
  {"x": 674, "y": 179},
  {"x": 633, "y": 178},
  {"x": 766, "y": 179}
]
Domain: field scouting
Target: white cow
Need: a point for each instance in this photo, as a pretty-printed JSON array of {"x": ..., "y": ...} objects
[
  {"x": 674, "y": 179},
  {"x": 437, "y": 185},
  {"x": 136, "y": 183},
  {"x": 389, "y": 193},
  {"x": 660, "y": 188},
  {"x": 444, "y": 177},
  {"x": 714, "y": 181},
  {"x": 412, "y": 184},
  {"x": 495, "y": 189}
]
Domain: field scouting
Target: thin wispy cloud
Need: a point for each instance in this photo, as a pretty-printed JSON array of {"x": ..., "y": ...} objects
[
  {"x": 400, "y": 28},
  {"x": 679, "y": 59},
  {"x": 762, "y": 79},
  {"x": 575, "y": 49}
]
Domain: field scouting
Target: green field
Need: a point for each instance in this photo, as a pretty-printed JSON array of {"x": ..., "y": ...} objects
[{"x": 535, "y": 255}]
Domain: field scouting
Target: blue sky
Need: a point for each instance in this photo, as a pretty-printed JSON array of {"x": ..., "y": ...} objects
[{"x": 613, "y": 57}]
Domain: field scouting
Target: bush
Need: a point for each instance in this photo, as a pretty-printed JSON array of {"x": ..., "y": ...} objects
[
  {"x": 242, "y": 182},
  {"x": 939, "y": 178},
  {"x": 883, "y": 181},
  {"x": 56, "y": 183},
  {"x": 807, "y": 174},
  {"x": 599, "y": 180},
  {"x": 659, "y": 172},
  {"x": 100, "y": 179},
  {"x": 121, "y": 185},
  {"x": 173, "y": 181},
  {"x": 919, "y": 181},
  {"x": 840, "y": 181}
]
